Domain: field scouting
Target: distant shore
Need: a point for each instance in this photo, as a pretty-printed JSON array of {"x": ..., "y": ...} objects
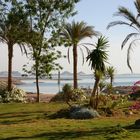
[{"x": 18, "y": 81}]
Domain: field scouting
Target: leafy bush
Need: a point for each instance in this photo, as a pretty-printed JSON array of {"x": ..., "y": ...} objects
[
  {"x": 135, "y": 95},
  {"x": 78, "y": 95},
  {"x": 15, "y": 95},
  {"x": 67, "y": 91},
  {"x": 135, "y": 106},
  {"x": 83, "y": 113}
]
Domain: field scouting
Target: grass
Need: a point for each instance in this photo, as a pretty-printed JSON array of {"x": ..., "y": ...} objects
[{"x": 36, "y": 122}]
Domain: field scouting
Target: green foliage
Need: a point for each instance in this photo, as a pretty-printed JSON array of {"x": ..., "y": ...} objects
[
  {"x": 67, "y": 91},
  {"x": 46, "y": 19},
  {"x": 98, "y": 57},
  {"x": 78, "y": 95},
  {"x": 15, "y": 95},
  {"x": 102, "y": 85},
  {"x": 109, "y": 88}
]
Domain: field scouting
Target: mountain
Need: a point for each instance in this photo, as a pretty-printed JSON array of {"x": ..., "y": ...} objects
[
  {"x": 66, "y": 73},
  {"x": 81, "y": 73},
  {"x": 14, "y": 74}
]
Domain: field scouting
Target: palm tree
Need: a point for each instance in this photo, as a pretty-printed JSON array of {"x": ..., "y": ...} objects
[
  {"x": 131, "y": 21},
  {"x": 13, "y": 28},
  {"x": 97, "y": 59},
  {"x": 110, "y": 72},
  {"x": 73, "y": 33}
]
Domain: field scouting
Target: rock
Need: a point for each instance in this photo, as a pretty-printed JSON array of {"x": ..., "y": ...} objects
[{"x": 83, "y": 113}]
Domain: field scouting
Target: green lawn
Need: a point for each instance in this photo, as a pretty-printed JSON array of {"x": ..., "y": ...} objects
[{"x": 36, "y": 122}]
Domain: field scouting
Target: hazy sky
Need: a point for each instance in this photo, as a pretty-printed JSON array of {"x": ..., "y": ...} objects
[{"x": 97, "y": 13}]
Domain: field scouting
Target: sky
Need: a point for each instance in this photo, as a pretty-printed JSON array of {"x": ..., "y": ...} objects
[{"x": 97, "y": 13}]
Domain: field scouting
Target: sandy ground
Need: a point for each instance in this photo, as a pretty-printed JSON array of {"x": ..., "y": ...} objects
[{"x": 43, "y": 97}]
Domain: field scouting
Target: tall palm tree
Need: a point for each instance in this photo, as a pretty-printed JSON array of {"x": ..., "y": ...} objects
[
  {"x": 110, "y": 71},
  {"x": 13, "y": 28},
  {"x": 131, "y": 21},
  {"x": 97, "y": 59},
  {"x": 73, "y": 33}
]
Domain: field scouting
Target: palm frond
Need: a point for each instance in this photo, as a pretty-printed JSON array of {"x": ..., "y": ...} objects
[
  {"x": 128, "y": 15},
  {"x": 82, "y": 55},
  {"x": 128, "y": 37},
  {"x": 137, "y": 5},
  {"x": 128, "y": 53},
  {"x": 23, "y": 49},
  {"x": 114, "y": 23},
  {"x": 98, "y": 57},
  {"x": 68, "y": 54},
  {"x": 87, "y": 49}
]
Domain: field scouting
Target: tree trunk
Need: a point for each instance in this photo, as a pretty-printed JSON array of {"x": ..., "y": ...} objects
[
  {"x": 37, "y": 83},
  {"x": 111, "y": 81},
  {"x": 93, "y": 94},
  {"x": 10, "y": 56},
  {"x": 97, "y": 99},
  {"x": 75, "y": 85}
]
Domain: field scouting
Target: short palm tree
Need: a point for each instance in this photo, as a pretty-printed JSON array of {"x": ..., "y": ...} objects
[
  {"x": 131, "y": 21},
  {"x": 13, "y": 28},
  {"x": 110, "y": 72},
  {"x": 73, "y": 33},
  {"x": 97, "y": 59}
]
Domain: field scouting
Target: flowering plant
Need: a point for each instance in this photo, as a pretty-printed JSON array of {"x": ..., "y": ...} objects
[{"x": 135, "y": 106}]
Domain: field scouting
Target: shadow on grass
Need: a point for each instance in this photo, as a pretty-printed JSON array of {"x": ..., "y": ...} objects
[
  {"x": 65, "y": 135},
  {"x": 104, "y": 132},
  {"x": 63, "y": 113},
  {"x": 21, "y": 117},
  {"x": 132, "y": 128}
]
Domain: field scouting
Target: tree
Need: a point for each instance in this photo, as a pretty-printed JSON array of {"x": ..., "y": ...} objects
[
  {"x": 12, "y": 21},
  {"x": 97, "y": 59},
  {"x": 46, "y": 18},
  {"x": 131, "y": 21},
  {"x": 73, "y": 33},
  {"x": 110, "y": 73}
]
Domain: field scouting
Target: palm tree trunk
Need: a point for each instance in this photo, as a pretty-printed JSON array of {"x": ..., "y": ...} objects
[
  {"x": 111, "y": 81},
  {"x": 37, "y": 83},
  {"x": 93, "y": 94},
  {"x": 10, "y": 56},
  {"x": 75, "y": 85}
]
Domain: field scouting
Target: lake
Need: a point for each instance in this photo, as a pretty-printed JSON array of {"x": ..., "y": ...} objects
[{"x": 87, "y": 81}]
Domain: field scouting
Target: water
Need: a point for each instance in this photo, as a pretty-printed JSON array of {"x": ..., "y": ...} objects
[{"x": 51, "y": 86}]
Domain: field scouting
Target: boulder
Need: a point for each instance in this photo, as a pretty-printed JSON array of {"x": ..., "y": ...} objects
[{"x": 83, "y": 113}]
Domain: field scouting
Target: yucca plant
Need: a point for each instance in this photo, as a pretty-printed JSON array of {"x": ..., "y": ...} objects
[{"x": 97, "y": 59}]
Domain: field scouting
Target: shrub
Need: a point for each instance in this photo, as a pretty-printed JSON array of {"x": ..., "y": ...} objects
[
  {"x": 83, "y": 113},
  {"x": 135, "y": 106},
  {"x": 135, "y": 95},
  {"x": 67, "y": 91},
  {"x": 15, "y": 95},
  {"x": 78, "y": 95}
]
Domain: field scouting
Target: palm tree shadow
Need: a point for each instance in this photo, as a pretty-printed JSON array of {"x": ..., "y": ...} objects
[
  {"x": 20, "y": 117},
  {"x": 61, "y": 135},
  {"x": 66, "y": 134}
]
